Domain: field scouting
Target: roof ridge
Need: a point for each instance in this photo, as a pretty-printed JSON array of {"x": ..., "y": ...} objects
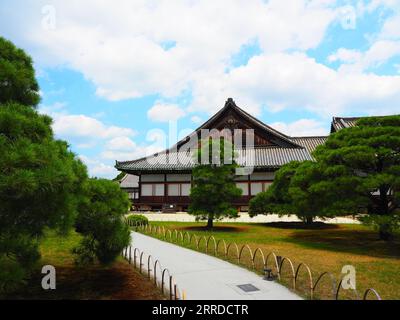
[{"x": 302, "y": 137}]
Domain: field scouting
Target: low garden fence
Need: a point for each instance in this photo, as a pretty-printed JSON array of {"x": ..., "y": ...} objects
[
  {"x": 161, "y": 277},
  {"x": 298, "y": 278}
]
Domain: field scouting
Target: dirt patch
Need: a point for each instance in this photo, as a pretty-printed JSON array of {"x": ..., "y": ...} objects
[{"x": 119, "y": 282}]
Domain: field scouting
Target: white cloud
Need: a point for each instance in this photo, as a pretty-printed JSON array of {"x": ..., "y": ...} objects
[
  {"x": 356, "y": 61},
  {"x": 119, "y": 47},
  {"x": 120, "y": 143},
  {"x": 84, "y": 126},
  {"x": 134, "y": 153},
  {"x": 99, "y": 169},
  {"x": 196, "y": 120},
  {"x": 391, "y": 27},
  {"x": 302, "y": 127},
  {"x": 299, "y": 82},
  {"x": 345, "y": 55},
  {"x": 102, "y": 170},
  {"x": 161, "y": 112},
  {"x": 384, "y": 45}
]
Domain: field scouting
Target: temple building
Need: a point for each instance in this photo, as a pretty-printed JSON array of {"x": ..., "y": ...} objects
[{"x": 163, "y": 180}]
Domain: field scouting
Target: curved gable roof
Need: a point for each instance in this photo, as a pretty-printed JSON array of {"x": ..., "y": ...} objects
[{"x": 277, "y": 137}]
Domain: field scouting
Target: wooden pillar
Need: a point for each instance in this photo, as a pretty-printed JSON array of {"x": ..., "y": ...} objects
[
  {"x": 165, "y": 187},
  {"x": 140, "y": 186}
]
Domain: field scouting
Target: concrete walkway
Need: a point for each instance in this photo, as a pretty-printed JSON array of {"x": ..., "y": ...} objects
[
  {"x": 244, "y": 218},
  {"x": 206, "y": 277}
]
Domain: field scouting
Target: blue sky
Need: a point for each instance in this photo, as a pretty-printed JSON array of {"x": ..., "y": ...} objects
[{"x": 125, "y": 80}]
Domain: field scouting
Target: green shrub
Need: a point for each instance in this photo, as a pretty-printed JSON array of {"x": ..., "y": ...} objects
[
  {"x": 100, "y": 221},
  {"x": 137, "y": 220}
]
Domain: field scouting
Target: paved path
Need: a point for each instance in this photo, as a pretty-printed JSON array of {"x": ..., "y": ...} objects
[
  {"x": 206, "y": 277},
  {"x": 244, "y": 217}
]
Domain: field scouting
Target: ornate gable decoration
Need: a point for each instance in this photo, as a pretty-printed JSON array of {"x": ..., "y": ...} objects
[{"x": 231, "y": 117}]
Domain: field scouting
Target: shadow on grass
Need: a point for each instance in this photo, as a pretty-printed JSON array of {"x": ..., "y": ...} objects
[
  {"x": 362, "y": 242},
  {"x": 217, "y": 228},
  {"x": 300, "y": 225},
  {"x": 118, "y": 282}
]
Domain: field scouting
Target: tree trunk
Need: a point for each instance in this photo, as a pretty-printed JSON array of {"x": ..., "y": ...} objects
[
  {"x": 210, "y": 223},
  {"x": 309, "y": 220},
  {"x": 384, "y": 201},
  {"x": 385, "y": 234}
]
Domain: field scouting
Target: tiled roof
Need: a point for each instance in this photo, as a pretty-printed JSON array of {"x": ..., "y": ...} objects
[
  {"x": 339, "y": 123},
  {"x": 269, "y": 157},
  {"x": 129, "y": 181},
  {"x": 310, "y": 143}
]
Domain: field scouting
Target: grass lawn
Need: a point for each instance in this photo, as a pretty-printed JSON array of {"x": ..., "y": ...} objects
[
  {"x": 119, "y": 281},
  {"x": 324, "y": 247}
]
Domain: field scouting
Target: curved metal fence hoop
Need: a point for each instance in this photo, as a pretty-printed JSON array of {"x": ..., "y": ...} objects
[
  {"x": 163, "y": 231},
  {"x": 184, "y": 237},
  {"x": 340, "y": 286},
  {"x": 373, "y": 291},
  {"x": 148, "y": 265},
  {"x": 176, "y": 292},
  {"x": 292, "y": 269},
  {"x": 253, "y": 258},
  {"x": 309, "y": 277},
  {"x": 170, "y": 235},
  {"x": 215, "y": 244},
  {"x": 130, "y": 255},
  {"x": 163, "y": 279},
  {"x": 175, "y": 233},
  {"x": 141, "y": 262},
  {"x": 237, "y": 250},
  {"x": 199, "y": 241},
  {"x": 179, "y": 294},
  {"x": 272, "y": 254},
  {"x": 171, "y": 286},
  {"x": 136, "y": 250},
  {"x": 221, "y": 241},
  {"x": 249, "y": 250},
  {"x": 333, "y": 279},
  {"x": 180, "y": 236},
  {"x": 193, "y": 236},
  {"x": 157, "y": 263}
]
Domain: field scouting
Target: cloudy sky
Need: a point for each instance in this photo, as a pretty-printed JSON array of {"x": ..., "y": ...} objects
[{"x": 117, "y": 76}]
